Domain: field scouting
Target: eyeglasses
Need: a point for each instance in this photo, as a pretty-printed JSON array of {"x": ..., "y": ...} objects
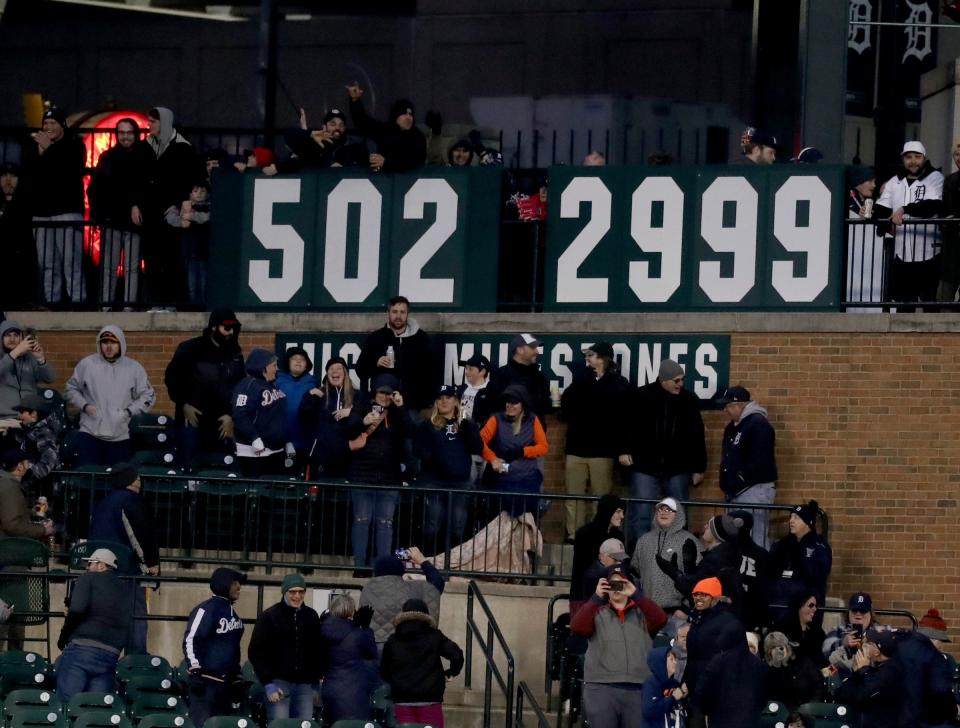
[{"x": 665, "y": 509}]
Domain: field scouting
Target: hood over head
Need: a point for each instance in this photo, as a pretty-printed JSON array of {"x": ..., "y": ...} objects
[
  {"x": 257, "y": 361},
  {"x": 518, "y": 392},
  {"x": 606, "y": 507},
  {"x": 679, "y": 523},
  {"x": 112, "y": 331},
  {"x": 222, "y": 578},
  {"x": 657, "y": 662},
  {"x": 293, "y": 351},
  {"x": 9, "y": 325},
  {"x": 167, "y": 131}
]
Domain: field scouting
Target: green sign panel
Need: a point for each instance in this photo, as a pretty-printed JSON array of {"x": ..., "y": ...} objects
[
  {"x": 707, "y": 238},
  {"x": 344, "y": 239},
  {"x": 706, "y": 358}
]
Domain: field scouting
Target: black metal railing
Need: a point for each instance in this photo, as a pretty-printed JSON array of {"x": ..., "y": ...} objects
[
  {"x": 914, "y": 265},
  {"x": 487, "y": 643},
  {"x": 213, "y": 516},
  {"x": 526, "y": 698}
]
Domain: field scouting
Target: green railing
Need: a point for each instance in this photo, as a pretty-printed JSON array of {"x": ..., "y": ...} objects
[{"x": 494, "y": 638}]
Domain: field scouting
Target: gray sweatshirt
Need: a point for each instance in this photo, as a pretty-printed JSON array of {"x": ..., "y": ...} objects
[
  {"x": 19, "y": 376},
  {"x": 118, "y": 389}
]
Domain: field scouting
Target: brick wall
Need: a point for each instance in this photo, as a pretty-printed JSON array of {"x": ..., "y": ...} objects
[{"x": 867, "y": 423}]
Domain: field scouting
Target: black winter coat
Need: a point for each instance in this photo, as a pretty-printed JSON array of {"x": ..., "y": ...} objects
[
  {"x": 125, "y": 517},
  {"x": 664, "y": 435},
  {"x": 259, "y": 412},
  {"x": 286, "y": 645},
  {"x": 413, "y": 364},
  {"x": 119, "y": 182},
  {"x": 877, "y": 694},
  {"x": 709, "y": 629},
  {"x": 324, "y": 436},
  {"x": 797, "y": 683},
  {"x": 16, "y": 232},
  {"x": 754, "y": 579},
  {"x": 378, "y": 463},
  {"x": 204, "y": 375},
  {"x": 722, "y": 561},
  {"x": 402, "y": 150},
  {"x": 171, "y": 179},
  {"x": 586, "y": 545},
  {"x": 594, "y": 412},
  {"x": 732, "y": 690},
  {"x": 927, "y": 682},
  {"x": 748, "y": 453},
  {"x": 53, "y": 180},
  {"x": 411, "y": 660},
  {"x": 810, "y": 560}
]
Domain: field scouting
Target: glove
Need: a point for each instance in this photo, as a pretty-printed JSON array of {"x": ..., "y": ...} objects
[
  {"x": 511, "y": 454},
  {"x": 363, "y": 616},
  {"x": 671, "y": 567}
]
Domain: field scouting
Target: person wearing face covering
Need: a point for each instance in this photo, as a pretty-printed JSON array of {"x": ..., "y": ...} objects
[
  {"x": 200, "y": 379},
  {"x": 109, "y": 388}
]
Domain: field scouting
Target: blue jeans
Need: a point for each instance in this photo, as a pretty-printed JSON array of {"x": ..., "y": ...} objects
[
  {"x": 297, "y": 701},
  {"x": 85, "y": 669},
  {"x": 759, "y": 493},
  {"x": 435, "y": 535},
  {"x": 367, "y": 504},
  {"x": 640, "y": 515}
]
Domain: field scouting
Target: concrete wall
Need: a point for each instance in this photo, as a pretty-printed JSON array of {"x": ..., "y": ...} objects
[{"x": 866, "y": 407}]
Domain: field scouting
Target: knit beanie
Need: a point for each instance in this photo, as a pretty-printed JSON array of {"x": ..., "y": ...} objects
[
  {"x": 669, "y": 369},
  {"x": 415, "y": 605},
  {"x": 725, "y": 527},
  {"x": 57, "y": 115},
  {"x": 399, "y": 107},
  {"x": 292, "y": 581},
  {"x": 933, "y": 626},
  {"x": 711, "y": 586},
  {"x": 297, "y": 351},
  {"x": 808, "y": 513}
]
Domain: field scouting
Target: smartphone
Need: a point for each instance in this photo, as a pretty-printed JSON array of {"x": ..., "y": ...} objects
[
  {"x": 616, "y": 586},
  {"x": 377, "y": 409}
]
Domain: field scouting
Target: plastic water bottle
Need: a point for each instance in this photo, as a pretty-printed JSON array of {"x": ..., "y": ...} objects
[{"x": 390, "y": 356}]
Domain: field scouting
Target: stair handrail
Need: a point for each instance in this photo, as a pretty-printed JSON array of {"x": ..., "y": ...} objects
[{"x": 493, "y": 636}]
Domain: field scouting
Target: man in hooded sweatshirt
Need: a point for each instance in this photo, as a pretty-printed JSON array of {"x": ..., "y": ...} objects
[
  {"x": 260, "y": 417},
  {"x": 748, "y": 467},
  {"x": 211, "y": 646},
  {"x": 606, "y": 524},
  {"x": 400, "y": 348},
  {"x": 401, "y": 147},
  {"x": 411, "y": 664},
  {"x": 169, "y": 183},
  {"x": 667, "y": 537},
  {"x": 109, "y": 388},
  {"x": 200, "y": 380},
  {"x": 23, "y": 364}
]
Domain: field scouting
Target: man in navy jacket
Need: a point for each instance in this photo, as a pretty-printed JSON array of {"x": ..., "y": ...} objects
[{"x": 211, "y": 645}]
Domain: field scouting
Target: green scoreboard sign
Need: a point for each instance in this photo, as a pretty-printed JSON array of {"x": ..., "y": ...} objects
[
  {"x": 344, "y": 239},
  {"x": 707, "y": 238},
  {"x": 706, "y": 358}
]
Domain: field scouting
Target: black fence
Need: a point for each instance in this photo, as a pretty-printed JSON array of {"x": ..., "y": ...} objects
[{"x": 212, "y": 517}]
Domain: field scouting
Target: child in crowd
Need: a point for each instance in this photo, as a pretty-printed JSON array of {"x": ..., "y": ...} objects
[{"x": 192, "y": 219}]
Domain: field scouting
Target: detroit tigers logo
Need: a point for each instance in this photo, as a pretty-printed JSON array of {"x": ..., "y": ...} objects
[
  {"x": 736, "y": 440},
  {"x": 270, "y": 396},
  {"x": 919, "y": 192},
  {"x": 229, "y": 625},
  {"x": 241, "y": 400},
  {"x": 918, "y": 31},
  {"x": 858, "y": 34}
]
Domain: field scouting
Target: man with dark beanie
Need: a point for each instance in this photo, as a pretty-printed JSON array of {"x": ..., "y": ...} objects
[
  {"x": 124, "y": 516},
  {"x": 662, "y": 444},
  {"x": 95, "y": 629},
  {"x": 211, "y": 646},
  {"x": 200, "y": 379},
  {"x": 720, "y": 559},
  {"x": 800, "y": 561},
  {"x": 754, "y": 575},
  {"x": 401, "y": 147},
  {"x": 285, "y": 652},
  {"x": 260, "y": 417},
  {"x": 411, "y": 665}
]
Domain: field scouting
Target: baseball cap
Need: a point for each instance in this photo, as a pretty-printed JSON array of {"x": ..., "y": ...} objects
[
  {"x": 9, "y": 168},
  {"x": 670, "y": 503},
  {"x": 613, "y": 547},
  {"x": 477, "y": 360},
  {"x": 447, "y": 390},
  {"x": 34, "y": 402},
  {"x": 108, "y": 336},
  {"x": 525, "y": 340},
  {"x": 860, "y": 602},
  {"x": 334, "y": 114},
  {"x": 808, "y": 155},
  {"x": 914, "y": 147},
  {"x": 601, "y": 348},
  {"x": 734, "y": 394},
  {"x": 104, "y": 556},
  {"x": 762, "y": 137}
]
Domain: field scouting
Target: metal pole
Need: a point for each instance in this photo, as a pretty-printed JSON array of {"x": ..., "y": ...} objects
[
  {"x": 267, "y": 67},
  {"x": 469, "y": 651}
]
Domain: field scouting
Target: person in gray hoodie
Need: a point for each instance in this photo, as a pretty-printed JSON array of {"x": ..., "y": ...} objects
[
  {"x": 666, "y": 537},
  {"x": 23, "y": 364},
  {"x": 109, "y": 388}
]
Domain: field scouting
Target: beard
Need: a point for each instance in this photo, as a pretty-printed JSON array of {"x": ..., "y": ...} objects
[{"x": 221, "y": 339}]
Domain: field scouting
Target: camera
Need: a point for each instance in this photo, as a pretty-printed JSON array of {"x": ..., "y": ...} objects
[{"x": 616, "y": 586}]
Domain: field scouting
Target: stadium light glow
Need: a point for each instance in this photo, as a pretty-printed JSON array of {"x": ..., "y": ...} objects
[{"x": 156, "y": 11}]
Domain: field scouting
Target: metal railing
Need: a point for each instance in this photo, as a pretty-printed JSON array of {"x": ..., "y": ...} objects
[
  {"x": 212, "y": 516},
  {"x": 915, "y": 265},
  {"x": 524, "y": 694},
  {"x": 494, "y": 637}
]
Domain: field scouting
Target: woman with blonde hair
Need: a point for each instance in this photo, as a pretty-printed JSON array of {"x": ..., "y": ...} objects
[
  {"x": 323, "y": 420},
  {"x": 445, "y": 446}
]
